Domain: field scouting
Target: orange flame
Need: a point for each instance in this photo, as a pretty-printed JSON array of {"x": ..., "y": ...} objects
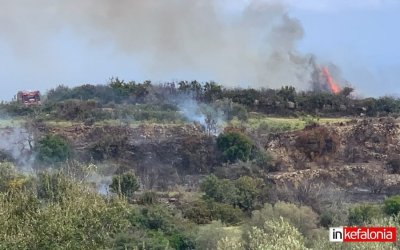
[{"x": 333, "y": 86}]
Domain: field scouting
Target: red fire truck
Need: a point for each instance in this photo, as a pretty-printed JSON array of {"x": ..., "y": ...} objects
[{"x": 28, "y": 98}]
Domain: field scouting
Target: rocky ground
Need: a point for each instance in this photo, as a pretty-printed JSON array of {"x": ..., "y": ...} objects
[{"x": 350, "y": 156}]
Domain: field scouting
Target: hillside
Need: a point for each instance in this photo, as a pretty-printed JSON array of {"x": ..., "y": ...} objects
[{"x": 161, "y": 167}]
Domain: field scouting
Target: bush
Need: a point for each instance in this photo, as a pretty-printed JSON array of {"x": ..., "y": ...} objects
[
  {"x": 52, "y": 186},
  {"x": 53, "y": 149},
  {"x": 17, "y": 109},
  {"x": 248, "y": 191},
  {"x": 234, "y": 146},
  {"x": 363, "y": 214},
  {"x": 243, "y": 192},
  {"x": 83, "y": 220},
  {"x": 161, "y": 224},
  {"x": 209, "y": 235},
  {"x": 148, "y": 198},
  {"x": 263, "y": 159},
  {"x": 392, "y": 205},
  {"x": 326, "y": 219},
  {"x": 198, "y": 212},
  {"x": 204, "y": 212},
  {"x": 220, "y": 190},
  {"x": 125, "y": 184},
  {"x": 301, "y": 217},
  {"x": 275, "y": 234},
  {"x": 10, "y": 179}
]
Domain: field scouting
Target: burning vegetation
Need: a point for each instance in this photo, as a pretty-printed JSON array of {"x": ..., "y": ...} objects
[
  {"x": 332, "y": 85},
  {"x": 324, "y": 81}
]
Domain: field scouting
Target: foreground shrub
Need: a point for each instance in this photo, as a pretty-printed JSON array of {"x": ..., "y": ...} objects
[
  {"x": 209, "y": 235},
  {"x": 276, "y": 234},
  {"x": 52, "y": 187},
  {"x": 10, "y": 179},
  {"x": 160, "y": 227},
  {"x": 83, "y": 220}
]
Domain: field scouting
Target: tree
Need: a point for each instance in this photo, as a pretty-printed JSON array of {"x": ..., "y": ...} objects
[
  {"x": 234, "y": 146},
  {"x": 346, "y": 91},
  {"x": 212, "y": 91},
  {"x": 287, "y": 93},
  {"x": 125, "y": 184}
]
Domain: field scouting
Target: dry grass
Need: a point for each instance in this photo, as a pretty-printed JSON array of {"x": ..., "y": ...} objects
[{"x": 257, "y": 120}]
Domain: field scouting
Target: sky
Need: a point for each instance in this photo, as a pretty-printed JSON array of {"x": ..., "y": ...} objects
[{"x": 43, "y": 45}]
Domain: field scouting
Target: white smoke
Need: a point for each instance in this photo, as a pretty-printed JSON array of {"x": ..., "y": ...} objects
[{"x": 18, "y": 143}]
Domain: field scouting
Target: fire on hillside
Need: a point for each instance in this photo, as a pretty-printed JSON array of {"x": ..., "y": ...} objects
[{"x": 324, "y": 81}]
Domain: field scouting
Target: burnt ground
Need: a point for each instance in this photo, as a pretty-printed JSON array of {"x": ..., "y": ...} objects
[{"x": 352, "y": 157}]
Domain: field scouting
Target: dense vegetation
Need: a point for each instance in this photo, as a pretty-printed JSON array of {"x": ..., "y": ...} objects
[
  {"x": 88, "y": 101},
  {"x": 103, "y": 193},
  {"x": 53, "y": 211}
]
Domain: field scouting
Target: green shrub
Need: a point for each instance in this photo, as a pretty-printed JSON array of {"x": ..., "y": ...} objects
[
  {"x": 326, "y": 219},
  {"x": 263, "y": 159},
  {"x": 161, "y": 223},
  {"x": 209, "y": 235},
  {"x": 248, "y": 191},
  {"x": 11, "y": 180},
  {"x": 392, "y": 205},
  {"x": 276, "y": 234},
  {"x": 52, "y": 186},
  {"x": 124, "y": 184},
  {"x": 310, "y": 120},
  {"x": 234, "y": 146},
  {"x": 220, "y": 190},
  {"x": 148, "y": 198},
  {"x": 243, "y": 192},
  {"x": 198, "y": 212},
  {"x": 53, "y": 149},
  {"x": 203, "y": 212},
  {"x": 363, "y": 214},
  {"x": 18, "y": 109},
  {"x": 301, "y": 217},
  {"x": 82, "y": 220}
]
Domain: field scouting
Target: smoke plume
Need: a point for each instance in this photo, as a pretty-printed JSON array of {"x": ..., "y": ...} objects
[
  {"x": 17, "y": 142},
  {"x": 252, "y": 45}
]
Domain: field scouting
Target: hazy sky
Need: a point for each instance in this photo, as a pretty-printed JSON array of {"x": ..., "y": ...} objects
[{"x": 43, "y": 44}]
